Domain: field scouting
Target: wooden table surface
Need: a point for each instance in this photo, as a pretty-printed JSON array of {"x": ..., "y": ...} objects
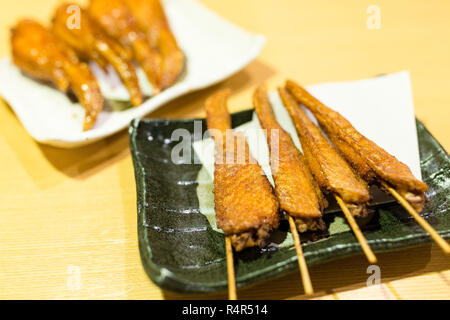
[{"x": 68, "y": 217}]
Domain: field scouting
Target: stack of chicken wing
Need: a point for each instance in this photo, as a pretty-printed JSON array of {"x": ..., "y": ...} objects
[
  {"x": 248, "y": 208},
  {"x": 120, "y": 33}
]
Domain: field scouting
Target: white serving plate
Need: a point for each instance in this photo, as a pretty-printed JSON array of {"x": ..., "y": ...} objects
[{"x": 214, "y": 49}]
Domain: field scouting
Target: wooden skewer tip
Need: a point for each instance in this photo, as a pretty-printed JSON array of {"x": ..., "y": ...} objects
[
  {"x": 303, "y": 267},
  {"x": 357, "y": 231},
  {"x": 232, "y": 295},
  {"x": 441, "y": 242}
]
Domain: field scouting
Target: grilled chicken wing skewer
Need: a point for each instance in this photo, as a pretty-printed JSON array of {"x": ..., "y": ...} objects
[
  {"x": 296, "y": 190},
  {"x": 91, "y": 43},
  {"x": 331, "y": 171},
  {"x": 36, "y": 51},
  {"x": 246, "y": 207},
  {"x": 367, "y": 158},
  {"x": 118, "y": 22},
  {"x": 152, "y": 21}
]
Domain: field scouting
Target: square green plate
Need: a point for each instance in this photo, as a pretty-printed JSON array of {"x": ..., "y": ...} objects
[{"x": 182, "y": 250}]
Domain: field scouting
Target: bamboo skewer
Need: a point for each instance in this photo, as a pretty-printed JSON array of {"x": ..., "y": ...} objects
[
  {"x": 357, "y": 231},
  {"x": 421, "y": 221},
  {"x": 303, "y": 267},
  {"x": 232, "y": 295}
]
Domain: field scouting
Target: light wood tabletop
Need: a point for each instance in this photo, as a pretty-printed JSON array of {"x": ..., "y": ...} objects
[{"x": 68, "y": 217}]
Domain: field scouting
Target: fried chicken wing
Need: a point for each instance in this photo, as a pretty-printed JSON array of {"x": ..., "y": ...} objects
[
  {"x": 152, "y": 20},
  {"x": 91, "y": 43},
  {"x": 39, "y": 53},
  {"x": 295, "y": 190},
  {"x": 246, "y": 207},
  {"x": 371, "y": 161},
  {"x": 150, "y": 17},
  {"x": 331, "y": 171},
  {"x": 116, "y": 19}
]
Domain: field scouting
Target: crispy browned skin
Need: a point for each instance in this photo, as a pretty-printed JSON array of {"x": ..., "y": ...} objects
[
  {"x": 331, "y": 171},
  {"x": 293, "y": 186},
  {"x": 352, "y": 157},
  {"x": 323, "y": 203},
  {"x": 246, "y": 207},
  {"x": 116, "y": 19},
  {"x": 371, "y": 161},
  {"x": 37, "y": 52},
  {"x": 152, "y": 20},
  {"x": 90, "y": 42}
]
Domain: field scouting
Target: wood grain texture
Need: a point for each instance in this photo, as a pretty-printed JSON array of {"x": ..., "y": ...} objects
[{"x": 68, "y": 217}]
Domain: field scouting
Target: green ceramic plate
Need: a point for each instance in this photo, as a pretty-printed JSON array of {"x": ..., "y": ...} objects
[{"x": 182, "y": 250}]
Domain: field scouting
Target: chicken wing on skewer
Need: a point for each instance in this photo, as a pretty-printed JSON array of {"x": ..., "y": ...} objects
[
  {"x": 39, "y": 53},
  {"x": 117, "y": 21},
  {"x": 371, "y": 161},
  {"x": 331, "y": 171},
  {"x": 246, "y": 207},
  {"x": 91, "y": 43},
  {"x": 152, "y": 20},
  {"x": 297, "y": 193}
]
